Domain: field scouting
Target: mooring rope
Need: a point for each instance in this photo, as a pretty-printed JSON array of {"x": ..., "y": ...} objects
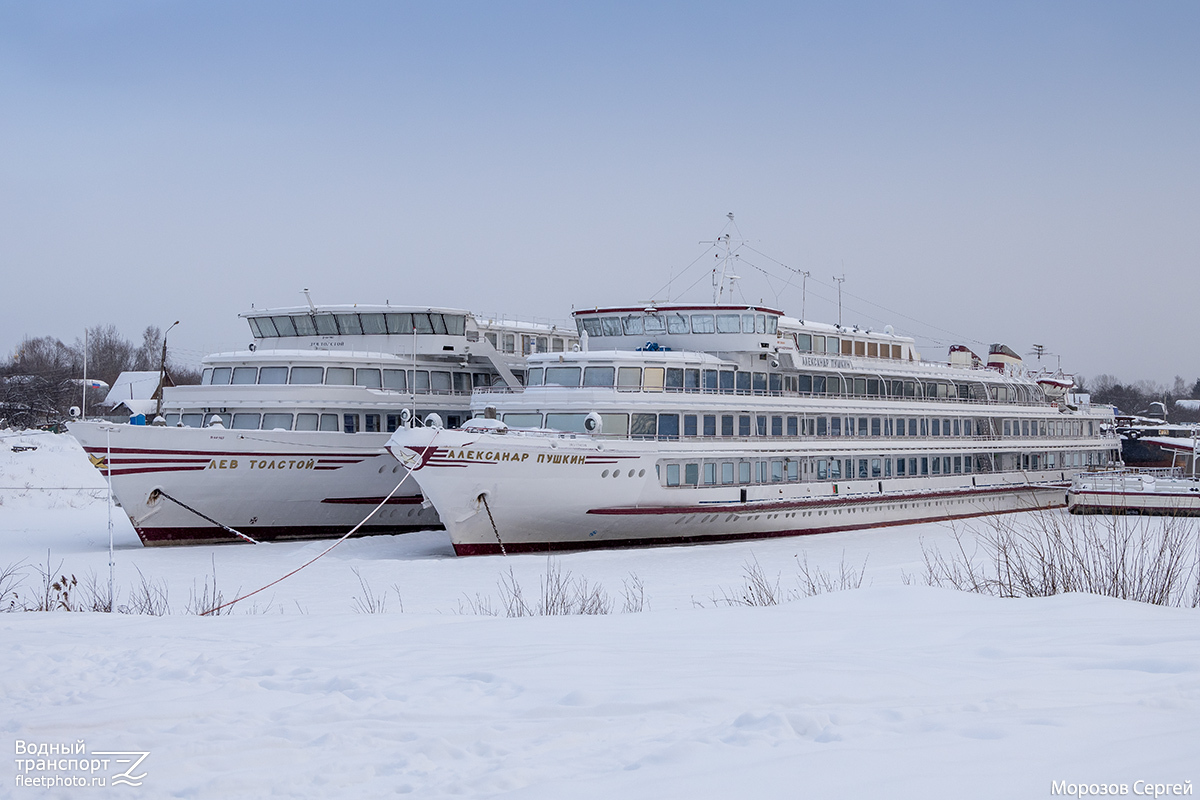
[
  {"x": 205, "y": 516},
  {"x": 346, "y": 536},
  {"x": 491, "y": 519}
]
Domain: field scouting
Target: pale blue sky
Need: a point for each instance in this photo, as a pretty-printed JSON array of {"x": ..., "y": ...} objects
[{"x": 1009, "y": 172}]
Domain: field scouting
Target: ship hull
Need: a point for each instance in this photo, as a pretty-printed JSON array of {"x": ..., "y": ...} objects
[
  {"x": 181, "y": 485},
  {"x": 507, "y": 493}
]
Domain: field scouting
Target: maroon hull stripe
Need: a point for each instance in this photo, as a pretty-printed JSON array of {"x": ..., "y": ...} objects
[
  {"x": 99, "y": 451},
  {"x": 374, "y": 501},
  {"x": 766, "y": 507},
  {"x": 615, "y": 544},
  {"x": 155, "y": 537}
]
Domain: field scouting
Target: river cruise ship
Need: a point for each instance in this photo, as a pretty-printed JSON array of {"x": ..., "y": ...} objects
[
  {"x": 694, "y": 423},
  {"x": 285, "y": 440}
]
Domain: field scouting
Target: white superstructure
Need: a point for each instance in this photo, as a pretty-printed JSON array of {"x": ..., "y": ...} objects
[
  {"x": 686, "y": 423},
  {"x": 285, "y": 439}
]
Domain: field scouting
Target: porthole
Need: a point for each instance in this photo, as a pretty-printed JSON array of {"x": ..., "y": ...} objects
[
  {"x": 641, "y": 473},
  {"x": 604, "y": 474},
  {"x": 395, "y": 469},
  {"x": 381, "y": 469},
  {"x": 631, "y": 473}
]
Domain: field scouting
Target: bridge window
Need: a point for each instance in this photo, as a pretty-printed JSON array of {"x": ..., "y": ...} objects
[
  {"x": 273, "y": 375},
  {"x": 599, "y": 376},
  {"x": 394, "y": 379},
  {"x": 703, "y": 323},
  {"x": 244, "y": 375}
]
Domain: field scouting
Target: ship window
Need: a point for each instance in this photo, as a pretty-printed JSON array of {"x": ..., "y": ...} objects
[
  {"x": 873, "y": 386},
  {"x": 652, "y": 380},
  {"x": 805, "y": 384},
  {"x": 348, "y": 324},
  {"x": 896, "y": 351},
  {"x": 967, "y": 464},
  {"x": 872, "y": 350},
  {"x": 822, "y": 385},
  {"x": 510, "y": 343},
  {"x": 936, "y": 428},
  {"x": 192, "y": 420},
  {"x": 206, "y": 376},
  {"x": 424, "y": 325},
  {"x": 254, "y": 329},
  {"x": 835, "y": 426},
  {"x": 523, "y": 420},
  {"x": 875, "y": 426},
  {"x": 743, "y": 471},
  {"x": 924, "y": 465},
  {"x": 611, "y": 326},
  {"x": 899, "y": 467},
  {"x": 822, "y": 469},
  {"x": 937, "y": 466},
  {"x": 835, "y": 469},
  {"x": 615, "y": 424},
  {"x": 710, "y": 380},
  {"x": 727, "y": 425},
  {"x": 306, "y": 375},
  {"x": 912, "y": 427},
  {"x": 728, "y": 323},
  {"x": 339, "y": 376},
  {"x": 420, "y": 381},
  {"x": 570, "y": 423},
  {"x": 822, "y": 426},
  {"x": 860, "y": 386},
  {"x": 439, "y": 382},
  {"x": 273, "y": 375},
  {"x": 438, "y": 323},
  {"x": 777, "y": 426},
  {"x": 590, "y": 326},
  {"x": 668, "y": 426},
  {"x": 394, "y": 379},
  {"x": 372, "y": 323},
  {"x": 534, "y": 377},
  {"x": 832, "y": 345},
  {"x": 775, "y": 383},
  {"x": 350, "y": 423},
  {"x": 304, "y": 325},
  {"x": 818, "y": 343},
  {"x": 760, "y": 323},
  {"x": 691, "y": 379},
  {"x": 677, "y": 323},
  {"x": 876, "y": 468},
  {"x": 1024, "y": 422},
  {"x": 804, "y": 342},
  {"x": 629, "y": 377},
  {"x": 760, "y": 383},
  {"x": 727, "y": 380},
  {"x": 562, "y": 376},
  {"x": 644, "y": 425},
  {"x": 674, "y": 378},
  {"x": 654, "y": 324},
  {"x": 710, "y": 425},
  {"x": 772, "y": 325},
  {"x": 633, "y": 327},
  {"x": 760, "y": 425},
  {"x": 727, "y": 472},
  {"x": 172, "y": 420},
  {"x": 329, "y": 422},
  {"x": 743, "y": 382},
  {"x": 744, "y": 425},
  {"x": 860, "y": 348},
  {"x": 958, "y": 464},
  {"x": 862, "y": 426},
  {"x": 557, "y": 345},
  {"x": 776, "y": 471},
  {"x": 703, "y": 323},
  {"x": 957, "y": 428},
  {"x": 393, "y": 423},
  {"x": 691, "y": 474},
  {"x": 246, "y": 422},
  {"x": 275, "y": 422},
  {"x": 747, "y": 323},
  {"x": 244, "y": 375},
  {"x": 326, "y": 324},
  {"x": 369, "y": 378},
  {"x": 543, "y": 344},
  {"x": 398, "y": 323},
  {"x": 689, "y": 424},
  {"x": 307, "y": 422},
  {"x": 710, "y": 474},
  {"x": 267, "y": 326}
]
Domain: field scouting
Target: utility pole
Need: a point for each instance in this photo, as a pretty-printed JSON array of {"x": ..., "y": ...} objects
[
  {"x": 162, "y": 372},
  {"x": 803, "y": 294}
]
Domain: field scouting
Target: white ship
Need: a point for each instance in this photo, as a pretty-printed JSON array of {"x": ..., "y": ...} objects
[
  {"x": 285, "y": 440},
  {"x": 1172, "y": 491},
  {"x": 696, "y": 423}
]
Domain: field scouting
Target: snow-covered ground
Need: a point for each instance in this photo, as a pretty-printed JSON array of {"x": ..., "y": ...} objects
[{"x": 890, "y": 690}]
